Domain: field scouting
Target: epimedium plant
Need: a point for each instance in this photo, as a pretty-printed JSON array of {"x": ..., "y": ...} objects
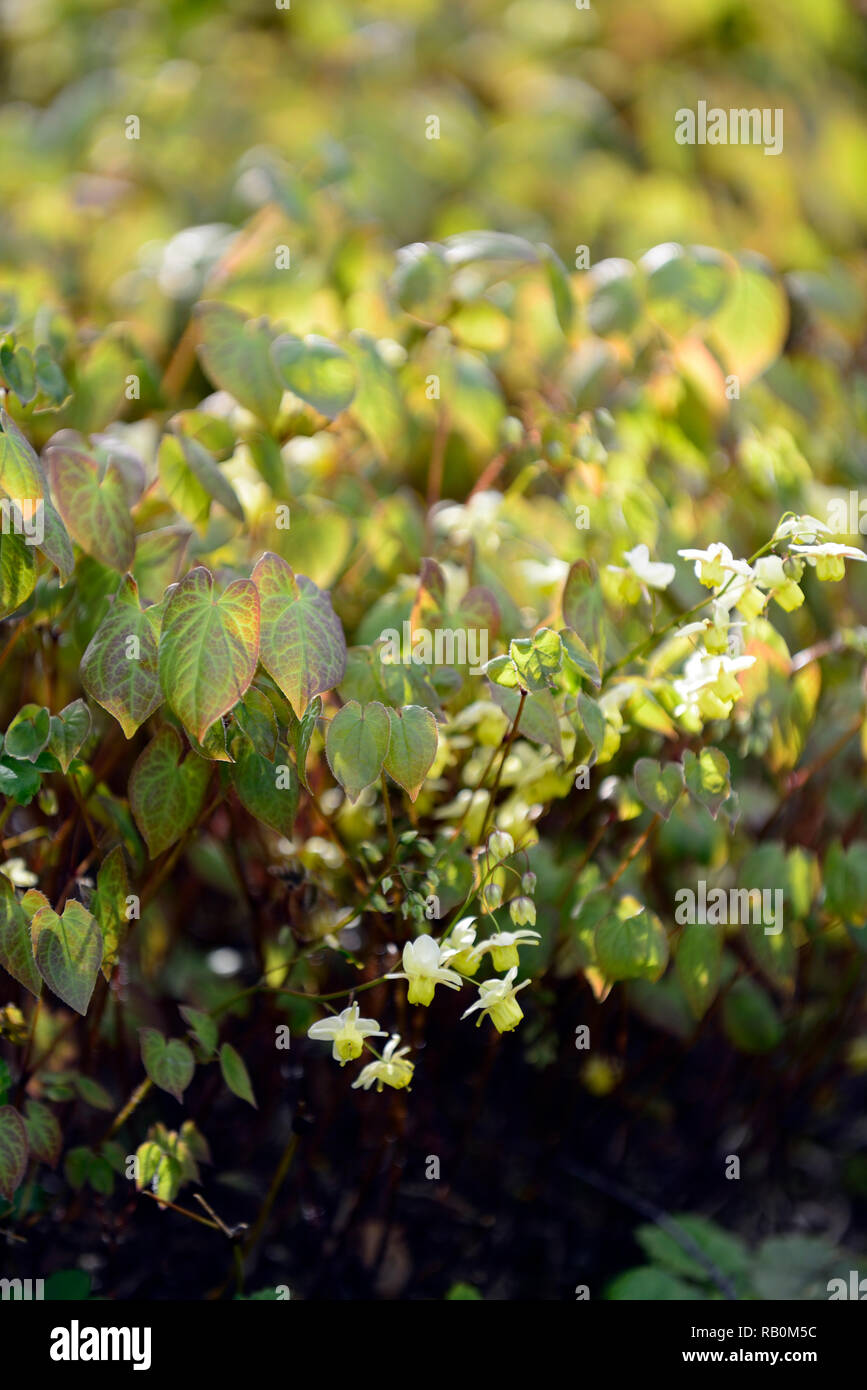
[{"x": 200, "y": 677}]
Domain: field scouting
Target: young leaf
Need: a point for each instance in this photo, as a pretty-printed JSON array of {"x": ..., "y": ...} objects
[
  {"x": 208, "y": 648},
  {"x": 69, "y": 729},
  {"x": 169, "y": 1064},
  {"x": 94, "y": 507},
  {"x": 166, "y": 794},
  {"x": 17, "y": 572},
  {"x": 707, "y": 778},
  {"x": 235, "y": 1074},
  {"x": 302, "y": 645},
  {"x": 412, "y": 747},
  {"x": 68, "y": 952},
  {"x": 658, "y": 786},
  {"x": 28, "y": 733},
  {"x": 119, "y": 669},
  {"x": 578, "y": 654},
  {"x": 13, "y": 1151},
  {"x": 356, "y": 745}
]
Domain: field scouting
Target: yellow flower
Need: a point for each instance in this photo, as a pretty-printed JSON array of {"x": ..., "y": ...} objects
[
  {"x": 389, "y": 1070},
  {"x": 503, "y": 946},
  {"x": 423, "y": 969},
  {"x": 347, "y": 1032},
  {"x": 497, "y": 999}
]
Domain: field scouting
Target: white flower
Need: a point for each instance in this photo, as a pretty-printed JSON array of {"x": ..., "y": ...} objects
[
  {"x": 708, "y": 684},
  {"x": 389, "y": 1070},
  {"x": 423, "y": 968},
  {"x": 801, "y": 528},
  {"x": 503, "y": 946},
  {"x": 457, "y": 948},
  {"x": 654, "y": 573},
  {"x": 497, "y": 998},
  {"x": 714, "y": 565},
  {"x": 828, "y": 558},
  {"x": 347, "y": 1031}
]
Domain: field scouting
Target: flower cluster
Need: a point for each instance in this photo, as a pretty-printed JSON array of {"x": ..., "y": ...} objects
[{"x": 451, "y": 962}]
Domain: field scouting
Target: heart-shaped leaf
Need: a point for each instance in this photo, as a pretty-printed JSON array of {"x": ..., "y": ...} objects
[
  {"x": 192, "y": 479},
  {"x": 93, "y": 500},
  {"x": 120, "y": 666},
  {"x": 537, "y": 659},
  {"x": 17, "y": 572},
  {"x": 68, "y": 952},
  {"x": 539, "y": 722},
  {"x": 16, "y": 948},
  {"x": 43, "y": 1132},
  {"x": 20, "y": 474},
  {"x": 697, "y": 961},
  {"x": 158, "y": 559},
  {"x": 302, "y": 646},
  {"x": 412, "y": 747},
  {"x": 707, "y": 778},
  {"x": 267, "y": 788},
  {"x": 69, "y": 729},
  {"x": 209, "y": 647},
  {"x": 13, "y": 1151},
  {"x": 631, "y": 948},
  {"x": 356, "y": 745},
  {"x": 317, "y": 371},
  {"x": 28, "y": 733},
  {"x": 169, "y": 1064},
  {"x": 658, "y": 786},
  {"x": 235, "y": 1074},
  {"x": 166, "y": 794},
  {"x": 579, "y": 655},
  {"x": 236, "y": 354}
]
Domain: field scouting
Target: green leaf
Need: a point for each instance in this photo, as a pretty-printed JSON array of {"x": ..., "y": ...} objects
[
  {"x": 13, "y": 1151},
  {"x": 94, "y": 505},
  {"x": 43, "y": 1132},
  {"x": 539, "y": 721},
  {"x": 420, "y": 282},
  {"x": 92, "y": 1093},
  {"x": 356, "y": 745},
  {"x": 561, "y": 290},
  {"x": 697, "y": 962},
  {"x": 208, "y": 648},
  {"x": 207, "y": 473},
  {"x": 166, "y": 794},
  {"x": 301, "y": 732},
  {"x": 466, "y": 247},
  {"x": 236, "y": 354},
  {"x": 378, "y": 403},
  {"x": 158, "y": 559},
  {"x": 17, "y": 572},
  {"x": 537, "y": 659},
  {"x": 658, "y": 786},
  {"x": 235, "y": 1074},
  {"x": 28, "y": 733},
  {"x": 69, "y": 730},
  {"x": 751, "y": 1020},
  {"x": 412, "y": 747},
  {"x": 50, "y": 381},
  {"x": 302, "y": 646},
  {"x": 582, "y": 607},
  {"x": 580, "y": 657},
  {"x": 707, "y": 778},
  {"x": 267, "y": 787},
  {"x": 169, "y": 1064},
  {"x": 203, "y": 1026},
  {"x": 631, "y": 948},
  {"x": 317, "y": 371},
  {"x": 614, "y": 304},
  {"x": 749, "y": 330},
  {"x": 19, "y": 372},
  {"x": 68, "y": 952},
  {"x": 119, "y": 669},
  {"x": 651, "y": 1285},
  {"x": 20, "y": 474},
  {"x": 592, "y": 719},
  {"x": 109, "y": 906},
  {"x": 16, "y": 948},
  {"x": 255, "y": 717}
]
